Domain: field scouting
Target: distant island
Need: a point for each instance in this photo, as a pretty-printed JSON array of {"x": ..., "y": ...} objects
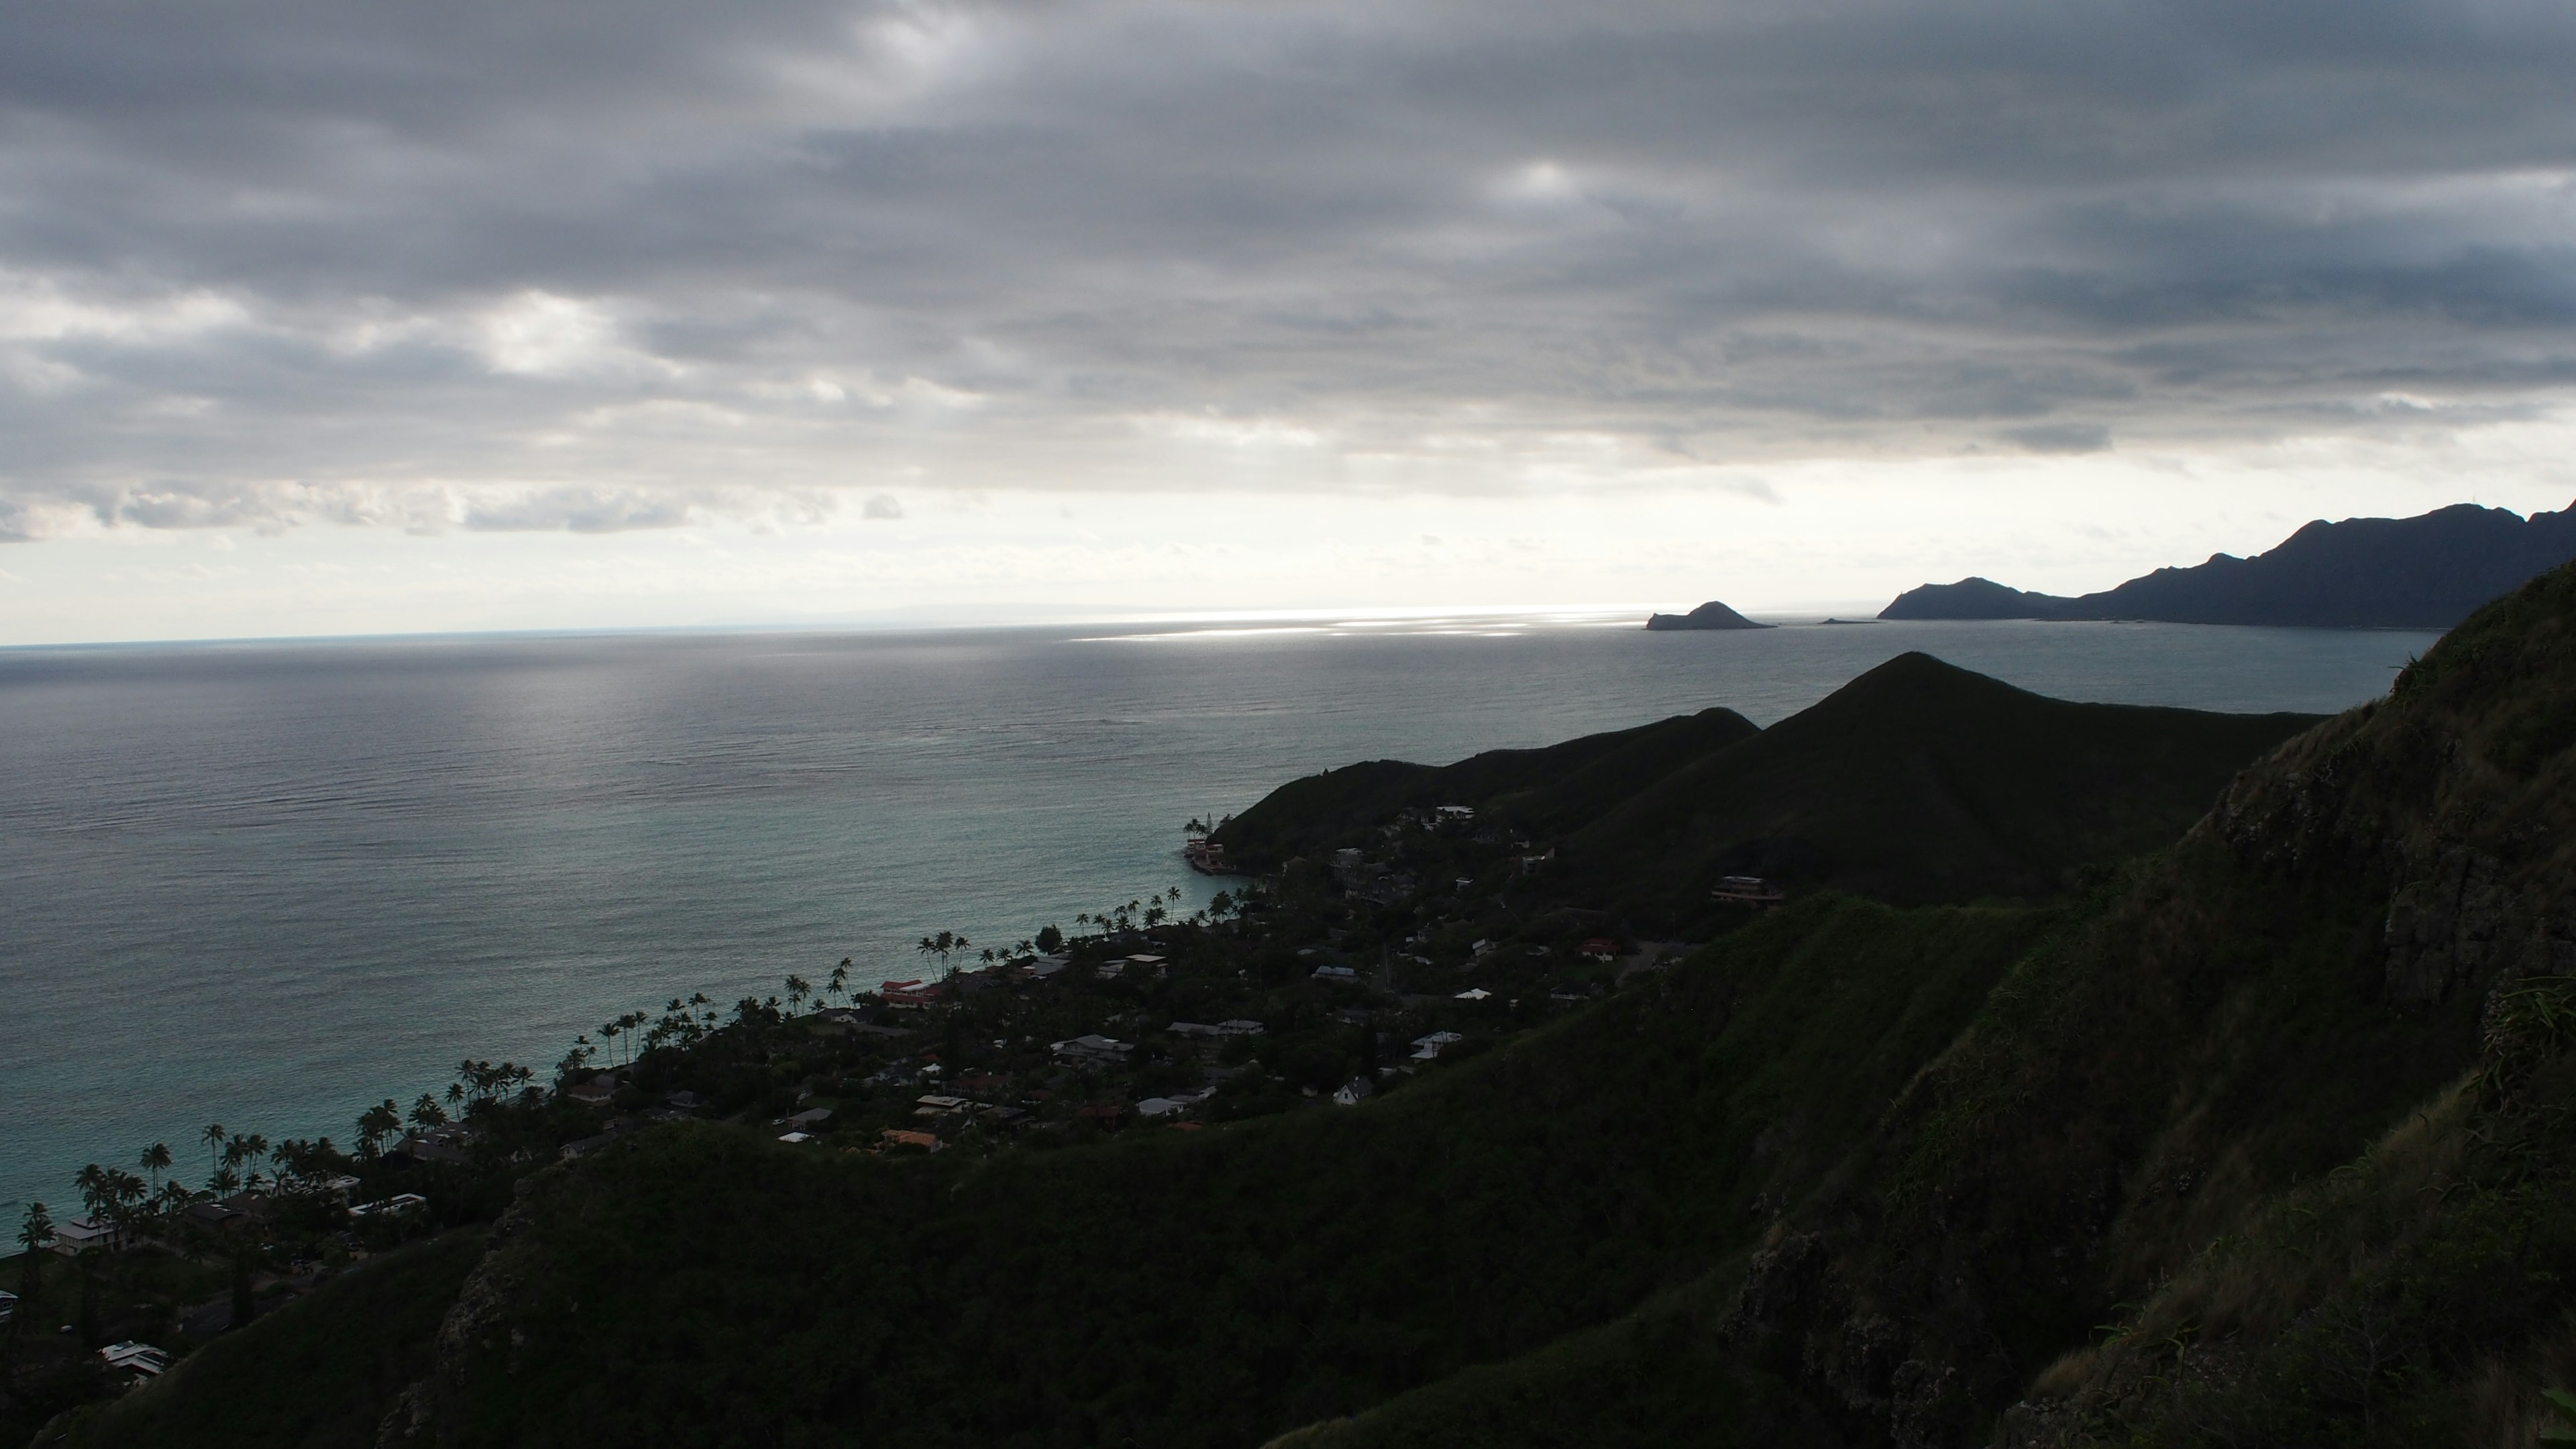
[
  {"x": 2426, "y": 572},
  {"x": 1711, "y": 615}
]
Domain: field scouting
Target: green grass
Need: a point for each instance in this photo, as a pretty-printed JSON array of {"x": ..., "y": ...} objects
[{"x": 318, "y": 1373}]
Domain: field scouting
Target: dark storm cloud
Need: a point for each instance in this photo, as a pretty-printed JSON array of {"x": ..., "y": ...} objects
[{"x": 298, "y": 260}]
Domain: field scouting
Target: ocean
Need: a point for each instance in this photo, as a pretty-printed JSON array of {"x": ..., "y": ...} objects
[{"x": 267, "y": 884}]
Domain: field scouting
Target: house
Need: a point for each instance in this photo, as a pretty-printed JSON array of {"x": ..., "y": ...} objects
[
  {"x": 1159, "y": 1107},
  {"x": 1353, "y": 1092},
  {"x": 587, "y": 1145},
  {"x": 140, "y": 1359},
  {"x": 599, "y": 1091},
  {"x": 912, "y": 993},
  {"x": 1456, "y": 814},
  {"x": 395, "y": 1206},
  {"x": 1152, "y": 964},
  {"x": 1336, "y": 973},
  {"x": 1240, "y": 1027},
  {"x": 1197, "y": 1030},
  {"x": 213, "y": 1215},
  {"x": 335, "y": 1187},
  {"x": 1092, "y": 1049},
  {"x": 897, "y": 1137},
  {"x": 1747, "y": 890},
  {"x": 8, "y": 1308},
  {"x": 443, "y": 1144},
  {"x": 1599, "y": 948},
  {"x": 982, "y": 1083},
  {"x": 938, "y": 1104},
  {"x": 1040, "y": 968},
  {"x": 685, "y": 1101},
  {"x": 81, "y": 1234},
  {"x": 1427, "y": 1048},
  {"x": 810, "y": 1117},
  {"x": 1475, "y": 993}
]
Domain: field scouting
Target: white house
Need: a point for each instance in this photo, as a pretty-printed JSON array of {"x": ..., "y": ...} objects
[{"x": 80, "y": 1234}]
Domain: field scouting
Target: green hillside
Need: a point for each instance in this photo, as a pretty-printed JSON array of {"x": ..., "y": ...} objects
[
  {"x": 1223, "y": 1286},
  {"x": 1917, "y": 782}
]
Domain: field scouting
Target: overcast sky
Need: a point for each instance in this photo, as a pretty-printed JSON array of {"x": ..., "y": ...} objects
[{"x": 321, "y": 317}]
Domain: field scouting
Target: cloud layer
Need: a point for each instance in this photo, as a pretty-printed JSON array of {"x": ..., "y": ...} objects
[{"x": 560, "y": 265}]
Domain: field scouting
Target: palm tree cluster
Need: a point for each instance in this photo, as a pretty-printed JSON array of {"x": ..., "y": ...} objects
[
  {"x": 124, "y": 1202},
  {"x": 1148, "y": 913}
]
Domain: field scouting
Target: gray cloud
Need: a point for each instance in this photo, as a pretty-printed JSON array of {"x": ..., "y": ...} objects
[{"x": 572, "y": 265}]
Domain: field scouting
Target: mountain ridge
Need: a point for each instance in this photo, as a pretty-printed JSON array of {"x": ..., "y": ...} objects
[{"x": 2425, "y": 572}]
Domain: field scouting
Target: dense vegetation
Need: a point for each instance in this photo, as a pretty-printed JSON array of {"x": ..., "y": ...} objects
[{"x": 2261, "y": 1137}]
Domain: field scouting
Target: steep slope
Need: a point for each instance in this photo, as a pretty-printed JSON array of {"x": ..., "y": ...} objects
[
  {"x": 2425, "y": 572},
  {"x": 692, "y": 1285},
  {"x": 2308, "y": 969}
]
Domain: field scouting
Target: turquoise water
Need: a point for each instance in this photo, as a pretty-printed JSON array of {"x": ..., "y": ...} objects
[{"x": 266, "y": 884}]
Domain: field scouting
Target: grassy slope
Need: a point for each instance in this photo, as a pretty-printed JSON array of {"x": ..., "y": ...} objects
[
  {"x": 316, "y": 1374},
  {"x": 1220, "y": 1287}
]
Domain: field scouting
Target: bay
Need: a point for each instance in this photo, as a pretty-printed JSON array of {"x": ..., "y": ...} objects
[{"x": 267, "y": 884}]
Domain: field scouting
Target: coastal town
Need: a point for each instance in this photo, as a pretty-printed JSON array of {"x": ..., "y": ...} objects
[{"x": 1319, "y": 988}]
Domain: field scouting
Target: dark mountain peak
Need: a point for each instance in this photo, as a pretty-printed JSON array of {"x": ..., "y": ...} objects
[
  {"x": 1711, "y": 615},
  {"x": 1912, "y": 679}
]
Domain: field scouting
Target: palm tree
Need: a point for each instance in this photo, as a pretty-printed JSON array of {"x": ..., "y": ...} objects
[
  {"x": 797, "y": 989},
  {"x": 92, "y": 1182},
  {"x": 427, "y": 1113},
  {"x": 34, "y": 1232},
  {"x": 155, "y": 1160},
  {"x": 608, "y": 1031},
  {"x": 214, "y": 1136},
  {"x": 840, "y": 977},
  {"x": 375, "y": 1125}
]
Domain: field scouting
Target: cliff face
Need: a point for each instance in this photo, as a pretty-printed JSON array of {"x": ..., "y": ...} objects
[{"x": 2426, "y": 572}]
